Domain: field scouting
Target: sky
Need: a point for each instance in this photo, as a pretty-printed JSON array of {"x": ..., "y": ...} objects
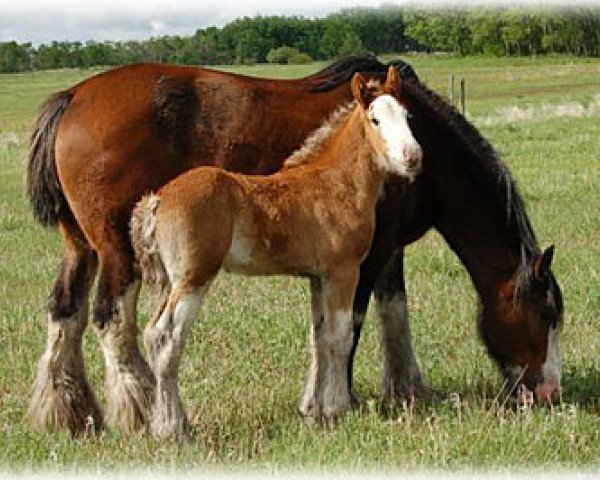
[{"x": 40, "y": 21}]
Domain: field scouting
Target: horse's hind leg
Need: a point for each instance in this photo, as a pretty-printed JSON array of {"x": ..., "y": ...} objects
[
  {"x": 62, "y": 396},
  {"x": 129, "y": 380},
  {"x": 165, "y": 338},
  {"x": 402, "y": 378}
]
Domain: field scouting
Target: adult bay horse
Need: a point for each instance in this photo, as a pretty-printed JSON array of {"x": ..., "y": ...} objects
[
  {"x": 99, "y": 146},
  {"x": 314, "y": 218}
]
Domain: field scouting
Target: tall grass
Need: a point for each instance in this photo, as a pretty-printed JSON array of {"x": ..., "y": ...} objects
[{"x": 246, "y": 359}]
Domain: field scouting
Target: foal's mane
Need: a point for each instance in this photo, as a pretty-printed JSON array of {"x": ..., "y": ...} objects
[
  {"x": 318, "y": 138},
  {"x": 481, "y": 162}
]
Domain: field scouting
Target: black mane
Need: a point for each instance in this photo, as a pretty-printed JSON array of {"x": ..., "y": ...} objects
[
  {"x": 480, "y": 161},
  {"x": 341, "y": 71}
]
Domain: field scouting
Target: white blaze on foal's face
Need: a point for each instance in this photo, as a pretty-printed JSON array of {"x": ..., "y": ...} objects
[{"x": 402, "y": 154}]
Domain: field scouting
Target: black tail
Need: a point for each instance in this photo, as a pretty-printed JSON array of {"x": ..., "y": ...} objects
[{"x": 43, "y": 188}]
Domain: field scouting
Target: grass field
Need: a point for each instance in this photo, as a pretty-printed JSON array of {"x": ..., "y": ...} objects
[{"x": 247, "y": 357}]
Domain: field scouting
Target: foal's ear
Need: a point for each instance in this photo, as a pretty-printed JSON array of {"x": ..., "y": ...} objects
[
  {"x": 392, "y": 84},
  {"x": 542, "y": 264},
  {"x": 360, "y": 90}
]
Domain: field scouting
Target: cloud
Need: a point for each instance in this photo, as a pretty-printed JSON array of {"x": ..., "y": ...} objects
[{"x": 40, "y": 21}]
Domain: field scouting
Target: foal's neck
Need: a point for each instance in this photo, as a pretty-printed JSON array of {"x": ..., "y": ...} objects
[{"x": 353, "y": 161}]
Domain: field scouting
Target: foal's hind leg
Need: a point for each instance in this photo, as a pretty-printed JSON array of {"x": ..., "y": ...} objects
[
  {"x": 165, "y": 338},
  {"x": 402, "y": 378},
  {"x": 311, "y": 404},
  {"x": 62, "y": 396},
  {"x": 129, "y": 380}
]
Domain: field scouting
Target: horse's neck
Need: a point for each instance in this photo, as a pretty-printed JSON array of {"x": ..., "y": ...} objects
[{"x": 476, "y": 225}]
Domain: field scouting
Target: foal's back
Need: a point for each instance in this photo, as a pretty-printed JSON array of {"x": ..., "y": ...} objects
[{"x": 296, "y": 222}]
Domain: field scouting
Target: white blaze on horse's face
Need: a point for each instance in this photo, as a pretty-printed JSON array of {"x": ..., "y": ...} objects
[
  {"x": 402, "y": 155},
  {"x": 550, "y": 386}
]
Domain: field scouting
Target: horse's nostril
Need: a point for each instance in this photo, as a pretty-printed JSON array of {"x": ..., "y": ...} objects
[
  {"x": 413, "y": 155},
  {"x": 548, "y": 392}
]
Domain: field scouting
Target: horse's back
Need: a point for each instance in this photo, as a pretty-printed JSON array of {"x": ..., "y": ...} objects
[{"x": 130, "y": 130}]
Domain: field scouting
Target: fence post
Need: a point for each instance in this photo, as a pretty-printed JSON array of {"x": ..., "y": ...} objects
[
  {"x": 462, "y": 95},
  {"x": 451, "y": 90}
]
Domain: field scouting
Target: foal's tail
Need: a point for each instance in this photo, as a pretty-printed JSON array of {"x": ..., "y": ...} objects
[
  {"x": 43, "y": 188},
  {"x": 147, "y": 253}
]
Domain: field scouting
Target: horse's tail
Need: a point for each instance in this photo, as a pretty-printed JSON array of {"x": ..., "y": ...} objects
[
  {"x": 147, "y": 253},
  {"x": 43, "y": 187}
]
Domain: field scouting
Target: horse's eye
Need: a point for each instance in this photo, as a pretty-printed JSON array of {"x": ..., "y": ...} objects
[{"x": 375, "y": 121}]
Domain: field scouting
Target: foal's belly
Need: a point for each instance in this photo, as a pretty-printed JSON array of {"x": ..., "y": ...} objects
[{"x": 266, "y": 256}]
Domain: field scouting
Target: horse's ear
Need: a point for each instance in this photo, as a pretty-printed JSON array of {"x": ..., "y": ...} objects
[
  {"x": 542, "y": 264},
  {"x": 392, "y": 84},
  {"x": 360, "y": 90}
]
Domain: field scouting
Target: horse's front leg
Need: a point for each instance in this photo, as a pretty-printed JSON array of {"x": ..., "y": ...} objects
[
  {"x": 165, "y": 337},
  {"x": 129, "y": 380},
  {"x": 402, "y": 378},
  {"x": 338, "y": 295}
]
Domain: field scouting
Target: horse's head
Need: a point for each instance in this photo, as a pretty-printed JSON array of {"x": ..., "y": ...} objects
[
  {"x": 387, "y": 130},
  {"x": 522, "y": 333}
]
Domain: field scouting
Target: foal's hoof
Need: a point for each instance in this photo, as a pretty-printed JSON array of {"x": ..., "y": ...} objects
[
  {"x": 312, "y": 414},
  {"x": 179, "y": 433}
]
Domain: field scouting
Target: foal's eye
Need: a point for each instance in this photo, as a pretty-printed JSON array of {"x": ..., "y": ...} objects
[{"x": 375, "y": 121}]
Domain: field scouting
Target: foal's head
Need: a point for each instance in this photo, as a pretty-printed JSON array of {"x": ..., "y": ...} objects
[
  {"x": 521, "y": 331},
  {"x": 387, "y": 127}
]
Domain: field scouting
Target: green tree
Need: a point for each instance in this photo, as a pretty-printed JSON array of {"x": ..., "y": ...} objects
[
  {"x": 521, "y": 32},
  {"x": 15, "y": 57},
  {"x": 442, "y": 30},
  {"x": 485, "y": 29},
  {"x": 351, "y": 44},
  {"x": 281, "y": 55},
  {"x": 339, "y": 39}
]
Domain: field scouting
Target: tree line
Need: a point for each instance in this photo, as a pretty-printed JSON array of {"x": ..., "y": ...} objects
[{"x": 278, "y": 39}]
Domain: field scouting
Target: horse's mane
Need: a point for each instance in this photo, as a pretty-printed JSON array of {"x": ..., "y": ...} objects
[
  {"x": 341, "y": 71},
  {"x": 481, "y": 162},
  {"x": 318, "y": 138}
]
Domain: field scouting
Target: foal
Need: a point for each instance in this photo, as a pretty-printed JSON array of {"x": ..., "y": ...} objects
[{"x": 315, "y": 218}]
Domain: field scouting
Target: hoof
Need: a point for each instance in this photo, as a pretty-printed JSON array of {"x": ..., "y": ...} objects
[
  {"x": 166, "y": 427},
  {"x": 396, "y": 395},
  {"x": 130, "y": 395},
  {"x": 64, "y": 403}
]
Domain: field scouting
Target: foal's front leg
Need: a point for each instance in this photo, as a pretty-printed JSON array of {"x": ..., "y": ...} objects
[
  {"x": 338, "y": 297},
  {"x": 165, "y": 338}
]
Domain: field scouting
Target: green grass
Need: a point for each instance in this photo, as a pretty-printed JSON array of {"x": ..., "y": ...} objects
[{"x": 247, "y": 358}]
